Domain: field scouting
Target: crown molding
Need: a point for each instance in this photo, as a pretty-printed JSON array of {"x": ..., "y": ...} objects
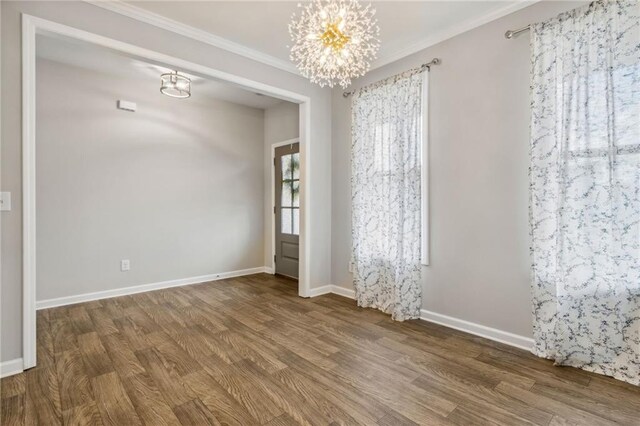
[
  {"x": 159, "y": 21},
  {"x": 451, "y": 32}
]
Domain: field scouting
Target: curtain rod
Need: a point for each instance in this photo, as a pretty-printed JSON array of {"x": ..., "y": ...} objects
[
  {"x": 511, "y": 33},
  {"x": 434, "y": 61}
]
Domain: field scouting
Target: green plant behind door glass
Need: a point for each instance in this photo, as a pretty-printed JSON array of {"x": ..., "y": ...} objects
[{"x": 290, "y": 202}]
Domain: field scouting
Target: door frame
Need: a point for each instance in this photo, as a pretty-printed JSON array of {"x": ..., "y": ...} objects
[
  {"x": 31, "y": 26},
  {"x": 273, "y": 201}
]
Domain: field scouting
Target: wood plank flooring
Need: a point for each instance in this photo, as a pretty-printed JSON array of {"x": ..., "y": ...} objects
[{"x": 249, "y": 351}]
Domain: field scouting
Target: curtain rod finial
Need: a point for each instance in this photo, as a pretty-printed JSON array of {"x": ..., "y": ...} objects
[{"x": 508, "y": 34}]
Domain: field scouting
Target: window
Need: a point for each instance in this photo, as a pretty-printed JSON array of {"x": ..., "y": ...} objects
[
  {"x": 384, "y": 172},
  {"x": 602, "y": 159},
  {"x": 290, "y": 202}
]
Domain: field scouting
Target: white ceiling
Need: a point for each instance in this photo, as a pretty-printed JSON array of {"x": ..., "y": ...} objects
[
  {"x": 405, "y": 26},
  {"x": 96, "y": 58}
]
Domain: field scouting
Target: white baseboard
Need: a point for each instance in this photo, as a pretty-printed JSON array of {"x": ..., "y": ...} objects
[
  {"x": 346, "y": 292},
  {"x": 505, "y": 337},
  {"x": 494, "y": 334},
  {"x": 87, "y": 297},
  {"x": 9, "y": 368},
  {"x": 332, "y": 289},
  {"x": 268, "y": 270},
  {"x": 319, "y": 291},
  {"x": 526, "y": 343}
]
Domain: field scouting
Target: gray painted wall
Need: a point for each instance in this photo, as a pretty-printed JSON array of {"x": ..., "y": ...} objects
[
  {"x": 176, "y": 187},
  {"x": 281, "y": 123},
  {"x": 96, "y": 20},
  {"x": 479, "y": 138}
]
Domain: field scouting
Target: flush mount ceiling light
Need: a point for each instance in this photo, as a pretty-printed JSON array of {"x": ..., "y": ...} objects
[
  {"x": 334, "y": 41},
  {"x": 175, "y": 85}
]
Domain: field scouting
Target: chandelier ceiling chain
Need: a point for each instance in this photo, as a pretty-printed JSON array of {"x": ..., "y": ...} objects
[{"x": 334, "y": 41}]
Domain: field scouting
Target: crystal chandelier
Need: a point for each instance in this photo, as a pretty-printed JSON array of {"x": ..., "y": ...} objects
[{"x": 334, "y": 41}]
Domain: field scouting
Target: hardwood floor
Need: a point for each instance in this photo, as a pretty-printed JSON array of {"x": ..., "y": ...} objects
[{"x": 248, "y": 351}]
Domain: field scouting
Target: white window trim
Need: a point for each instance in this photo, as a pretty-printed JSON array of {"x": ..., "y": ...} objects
[{"x": 424, "y": 175}]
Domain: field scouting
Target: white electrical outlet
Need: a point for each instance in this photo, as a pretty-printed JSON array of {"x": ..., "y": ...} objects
[{"x": 125, "y": 265}]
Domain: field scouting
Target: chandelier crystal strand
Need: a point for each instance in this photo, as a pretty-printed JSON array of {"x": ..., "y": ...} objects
[{"x": 334, "y": 41}]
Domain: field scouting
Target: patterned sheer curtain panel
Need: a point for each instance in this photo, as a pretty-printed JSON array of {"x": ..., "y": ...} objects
[
  {"x": 386, "y": 194},
  {"x": 585, "y": 188}
]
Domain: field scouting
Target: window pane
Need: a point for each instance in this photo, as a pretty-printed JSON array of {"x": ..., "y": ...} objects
[
  {"x": 285, "y": 221},
  {"x": 286, "y": 193},
  {"x": 295, "y": 164},
  {"x": 296, "y": 221},
  {"x": 286, "y": 161},
  {"x": 296, "y": 193}
]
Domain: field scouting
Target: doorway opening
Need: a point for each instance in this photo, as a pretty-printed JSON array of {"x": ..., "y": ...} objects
[{"x": 33, "y": 27}]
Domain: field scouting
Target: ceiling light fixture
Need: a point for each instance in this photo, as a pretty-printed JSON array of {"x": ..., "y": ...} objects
[
  {"x": 334, "y": 41},
  {"x": 175, "y": 85}
]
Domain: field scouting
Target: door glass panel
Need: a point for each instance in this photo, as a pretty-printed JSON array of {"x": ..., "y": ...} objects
[
  {"x": 296, "y": 221},
  {"x": 295, "y": 165},
  {"x": 286, "y": 193},
  {"x": 285, "y": 219},
  {"x": 296, "y": 193},
  {"x": 290, "y": 194},
  {"x": 287, "y": 167}
]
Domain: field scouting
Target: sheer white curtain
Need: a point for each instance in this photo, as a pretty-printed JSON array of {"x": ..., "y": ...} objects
[
  {"x": 585, "y": 188},
  {"x": 386, "y": 195}
]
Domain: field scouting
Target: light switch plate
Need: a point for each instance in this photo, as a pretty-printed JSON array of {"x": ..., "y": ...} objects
[
  {"x": 127, "y": 105},
  {"x": 5, "y": 201}
]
